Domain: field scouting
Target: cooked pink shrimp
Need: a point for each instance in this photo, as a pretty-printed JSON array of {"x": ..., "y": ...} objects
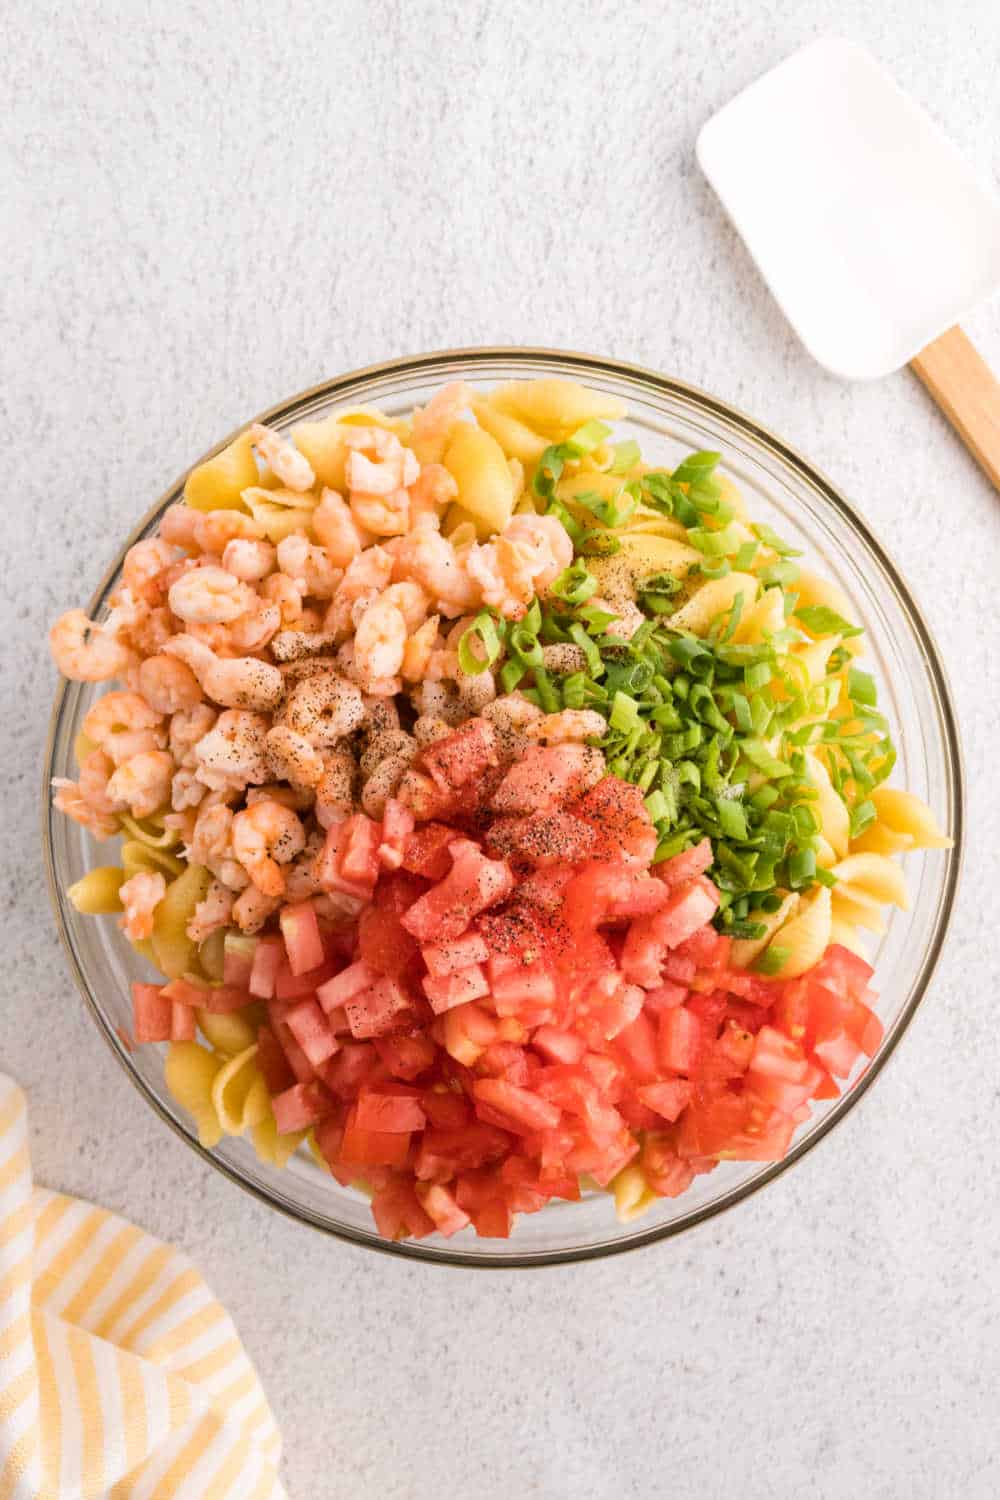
[
  {"x": 86, "y": 801},
  {"x": 86, "y": 652},
  {"x": 389, "y": 467},
  {"x": 186, "y": 790},
  {"x": 337, "y": 530},
  {"x": 286, "y": 594},
  {"x": 167, "y": 684},
  {"x": 335, "y": 792},
  {"x": 428, "y": 558},
  {"x": 265, "y": 837},
  {"x": 252, "y": 909},
  {"x": 209, "y": 596},
  {"x": 283, "y": 458},
  {"x": 628, "y": 616},
  {"x": 382, "y": 515},
  {"x": 380, "y": 641},
  {"x": 324, "y": 709},
  {"x": 411, "y": 601},
  {"x": 232, "y": 753},
  {"x": 419, "y": 649},
  {"x": 291, "y": 757},
  {"x": 148, "y": 631},
  {"x": 212, "y": 838},
  {"x": 373, "y": 687},
  {"x": 248, "y": 560},
  {"x": 187, "y": 727},
  {"x": 301, "y": 880},
  {"x": 117, "y": 713},
  {"x": 432, "y": 492},
  {"x": 213, "y": 912},
  {"x": 178, "y": 527},
  {"x": 144, "y": 567},
  {"x": 366, "y": 576},
  {"x": 213, "y": 530},
  {"x": 308, "y": 566},
  {"x": 140, "y": 896},
  {"x": 253, "y": 630},
  {"x": 523, "y": 561},
  {"x": 570, "y": 726},
  {"x": 551, "y": 543},
  {"x": 142, "y": 783},
  {"x": 442, "y": 665},
  {"x": 432, "y": 423},
  {"x": 235, "y": 682}
]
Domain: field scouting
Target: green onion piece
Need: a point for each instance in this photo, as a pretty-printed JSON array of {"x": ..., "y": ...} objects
[
  {"x": 525, "y": 646},
  {"x": 597, "y": 544},
  {"x": 862, "y": 817},
  {"x": 732, "y": 818},
  {"x": 627, "y": 455},
  {"x": 714, "y": 543},
  {"x": 578, "y": 634},
  {"x": 780, "y": 573},
  {"x": 802, "y": 868},
  {"x": 717, "y": 569},
  {"x": 733, "y": 618},
  {"x": 574, "y": 585},
  {"x": 574, "y": 690},
  {"x": 806, "y": 821},
  {"x": 757, "y": 676},
  {"x": 821, "y": 620},
  {"x": 611, "y": 511},
  {"x": 533, "y": 619},
  {"x": 772, "y": 960},
  {"x": 760, "y": 756},
  {"x": 550, "y": 467},
  {"x": 773, "y": 540},
  {"x": 510, "y": 674},
  {"x": 695, "y": 467},
  {"x": 597, "y": 620},
  {"x": 548, "y": 694},
  {"x": 656, "y": 806},
  {"x": 745, "y": 555},
  {"x": 741, "y": 713},
  {"x": 585, "y": 439},
  {"x": 625, "y": 713},
  {"x": 484, "y": 630},
  {"x": 825, "y": 877},
  {"x": 569, "y": 523},
  {"x": 861, "y": 687}
]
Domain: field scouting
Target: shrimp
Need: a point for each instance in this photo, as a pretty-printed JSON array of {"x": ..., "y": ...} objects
[
  {"x": 252, "y": 631},
  {"x": 475, "y": 692},
  {"x": 212, "y": 839},
  {"x": 382, "y": 515},
  {"x": 298, "y": 645},
  {"x": 337, "y": 529},
  {"x": 432, "y": 492},
  {"x": 442, "y": 664},
  {"x": 390, "y": 467},
  {"x": 564, "y": 658},
  {"x": 178, "y": 527},
  {"x": 438, "y": 699},
  {"x": 384, "y": 783},
  {"x": 411, "y": 601},
  {"x": 210, "y": 914},
  {"x": 419, "y": 649},
  {"x": 265, "y": 837},
  {"x": 283, "y": 458},
  {"x": 143, "y": 782},
  {"x": 86, "y": 801},
  {"x": 209, "y": 596},
  {"x": 252, "y": 909},
  {"x": 232, "y": 753},
  {"x": 364, "y": 579},
  {"x": 144, "y": 567},
  {"x": 187, "y": 727},
  {"x": 117, "y": 713},
  {"x": 307, "y": 566},
  {"x": 335, "y": 792},
  {"x": 380, "y": 641},
  {"x": 324, "y": 709},
  {"x": 140, "y": 896},
  {"x": 570, "y": 726},
  {"x": 552, "y": 544},
  {"x": 148, "y": 630},
  {"x": 524, "y": 560},
  {"x": 512, "y": 717},
  {"x": 432, "y": 423},
  {"x": 381, "y": 715},
  {"x": 86, "y": 652},
  {"x": 428, "y": 558},
  {"x": 298, "y": 798},
  {"x": 248, "y": 560},
  {"x": 301, "y": 881},
  {"x": 282, "y": 591},
  {"x": 387, "y": 745},
  {"x": 167, "y": 684},
  {"x": 428, "y": 729},
  {"x": 235, "y": 682},
  {"x": 186, "y": 790},
  {"x": 213, "y": 530},
  {"x": 292, "y": 758}
]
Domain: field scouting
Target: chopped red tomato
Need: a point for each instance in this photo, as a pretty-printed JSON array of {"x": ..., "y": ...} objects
[
  {"x": 384, "y": 943},
  {"x": 300, "y": 1106},
  {"x": 397, "y": 824},
  {"x": 472, "y": 884},
  {"x": 406, "y": 1056},
  {"x": 152, "y": 1013},
  {"x": 544, "y": 778},
  {"x": 309, "y": 1027},
  {"x": 389, "y": 1106},
  {"x": 378, "y": 1009},
  {"x": 542, "y": 840},
  {"x": 303, "y": 944},
  {"x": 611, "y": 892},
  {"x": 686, "y": 865},
  {"x": 621, "y": 824},
  {"x": 426, "y": 850},
  {"x": 268, "y": 956},
  {"x": 462, "y": 757}
]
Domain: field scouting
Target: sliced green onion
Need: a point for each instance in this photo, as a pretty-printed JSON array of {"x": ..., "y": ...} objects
[
  {"x": 627, "y": 455},
  {"x": 569, "y": 523},
  {"x": 781, "y": 574},
  {"x": 625, "y": 713},
  {"x": 549, "y": 470},
  {"x": 597, "y": 543},
  {"x": 695, "y": 467},
  {"x": 861, "y": 687},
  {"x": 745, "y": 555},
  {"x": 757, "y": 753},
  {"x": 585, "y": 439},
  {"x": 773, "y": 540},
  {"x": 511, "y": 674},
  {"x": 757, "y": 676},
  {"x": 821, "y": 620},
  {"x": 578, "y": 634},
  {"x": 802, "y": 868},
  {"x": 772, "y": 960},
  {"x": 862, "y": 817},
  {"x": 548, "y": 694},
  {"x": 714, "y": 543},
  {"x": 482, "y": 629},
  {"x": 574, "y": 585},
  {"x": 732, "y": 818}
]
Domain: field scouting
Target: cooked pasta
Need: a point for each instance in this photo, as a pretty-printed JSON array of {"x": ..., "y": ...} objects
[{"x": 97, "y": 891}]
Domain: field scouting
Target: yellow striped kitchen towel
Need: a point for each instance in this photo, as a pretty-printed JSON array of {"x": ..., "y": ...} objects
[{"x": 120, "y": 1375}]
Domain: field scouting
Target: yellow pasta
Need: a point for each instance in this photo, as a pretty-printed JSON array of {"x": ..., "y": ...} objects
[
  {"x": 212, "y": 956},
  {"x": 872, "y": 879},
  {"x": 632, "y": 1194},
  {"x": 277, "y": 520},
  {"x": 137, "y": 858},
  {"x": 218, "y": 484},
  {"x": 761, "y": 619},
  {"x": 516, "y": 438},
  {"x": 903, "y": 813},
  {"x": 175, "y": 953},
  {"x": 555, "y": 407},
  {"x": 151, "y": 831},
  {"x": 97, "y": 892},
  {"x": 805, "y": 937},
  {"x": 830, "y": 809},
  {"x": 712, "y": 600},
  {"x": 82, "y": 747},
  {"x": 813, "y": 590},
  {"x": 272, "y": 1148},
  {"x": 231, "y": 1032},
  {"x": 866, "y": 914},
  {"x": 239, "y": 1095},
  {"x": 745, "y": 950},
  {"x": 477, "y": 463},
  {"x": 190, "y": 1074}
]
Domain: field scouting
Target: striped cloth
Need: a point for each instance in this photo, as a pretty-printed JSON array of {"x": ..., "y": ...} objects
[{"x": 120, "y": 1375}]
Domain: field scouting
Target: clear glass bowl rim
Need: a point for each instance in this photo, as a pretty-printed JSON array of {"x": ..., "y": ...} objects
[{"x": 576, "y": 365}]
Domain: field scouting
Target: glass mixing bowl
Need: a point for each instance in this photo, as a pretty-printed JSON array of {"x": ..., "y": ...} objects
[{"x": 668, "y": 418}]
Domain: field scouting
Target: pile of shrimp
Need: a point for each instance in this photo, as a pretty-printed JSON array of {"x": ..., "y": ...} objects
[{"x": 271, "y": 689}]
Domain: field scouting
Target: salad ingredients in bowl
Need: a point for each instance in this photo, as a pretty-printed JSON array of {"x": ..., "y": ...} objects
[{"x": 503, "y": 813}]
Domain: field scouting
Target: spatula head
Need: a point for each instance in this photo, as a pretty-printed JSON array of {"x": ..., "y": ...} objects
[{"x": 867, "y": 225}]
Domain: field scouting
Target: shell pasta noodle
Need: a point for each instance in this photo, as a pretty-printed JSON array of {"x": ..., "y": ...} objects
[{"x": 506, "y": 816}]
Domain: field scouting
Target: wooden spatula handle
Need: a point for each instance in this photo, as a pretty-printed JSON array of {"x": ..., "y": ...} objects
[{"x": 967, "y": 391}]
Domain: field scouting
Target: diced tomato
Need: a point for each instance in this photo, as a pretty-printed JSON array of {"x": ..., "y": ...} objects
[
  {"x": 298, "y": 1062},
  {"x": 680, "y": 1040},
  {"x": 446, "y": 1151},
  {"x": 468, "y": 1029},
  {"x": 385, "y": 945},
  {"x": 447, "y": 990},
  {"x": 665, "y": 996},
  {"x": 350, "y": 1068},
  {"x": 152, "y": 1013},
  {"x": 399, "y": 1213},
  {"x": 308, "y": 1025},
  {"x": 636, "y": 1047},
  {"x": 217, "y": 999},
  {"x": 683, "y": 910},
  {"x": 300, "y": 930},
  {"x": 544, "y": 778},
  {"x": 666, "y": 1098},
  {"x": 268, "y": 956},
  {"x": 481, "y": 1195},
  {"x": 523, "y": 1110},
  {"x": 666, "y": 1172},
  {"x": 439, "y": 1204},
  {"x": 183, "y": 1027},
  {"x": 462, "y": 757},
  {"x": 289, "y": 986},
  {"x": 389, "y": 1106},
  {"x": 378, "y": 1009},
  {"x": 686, "y": 865},
  {"x": 706, "y": 946},
  {"x": 237, "y": 959},
  {"x": 622, "y": 826},
  {"x": 359, "y": 850},
  {"x": 558, "y": 1046},
  {"x": 372, "y": 1148},
  {"x": 448, "y": 958},
  {"x": 472, "y": 884},
  {"x": 508, "y": 1060},
  {"x": 606, "y": 892},
  {"x": 397, "y": 825},
  {"x": 543, "y": 839},
  {"x": 300, "y": 1106},
  {"x": 523, "y": 987},
  {"x": 426, "y": 851},
  {"x": 347, "y": 985},
  {"x": 272, "y": 1062},
  {"x": 406, "y": 1056},
  {"x": 777, "y": 1056},
  {"x": 445, "y": 1108}
]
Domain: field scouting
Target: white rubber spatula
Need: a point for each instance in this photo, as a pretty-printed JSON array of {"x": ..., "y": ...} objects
[{"x": 867, "y": 226}]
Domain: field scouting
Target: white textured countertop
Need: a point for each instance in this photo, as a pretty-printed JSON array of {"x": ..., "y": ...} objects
[{"x": 215, "y": 205}]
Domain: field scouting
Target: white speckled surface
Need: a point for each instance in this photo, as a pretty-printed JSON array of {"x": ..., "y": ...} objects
[{"x": 215, "y": 205}]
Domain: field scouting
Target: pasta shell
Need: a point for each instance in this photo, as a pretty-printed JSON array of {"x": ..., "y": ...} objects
[
  {"x": 878, "y": 839},
  {"x": 478, "y": 465},
  {"x": 230, "y": 1088},
  {"x": 632, "y": 1194},
  {"x": 807, "y": 934},
  {"x": 271, "y": 1147},
  {"x": 219, "y": 482},
  {"x": 516, "y": 438},
  {"x": 903, "y": 812},
  {"x": 712, "y": 599},
  {"x": 745, "y": 950},
  {"x": 176, "y": 954},
  {"x": 556, "y": 407},
  {"x": 874, "y": 876},
  {"x": 764, "y": 618},
  {"x": 834, "y": 819},
  {"x": 866, "y": 914},
  {"x": 229, "y": 1033},
  {"x": 190, "y": 1074},
  {"x": 97, "y": 892},
  {"x": 812, "y": 589}
]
